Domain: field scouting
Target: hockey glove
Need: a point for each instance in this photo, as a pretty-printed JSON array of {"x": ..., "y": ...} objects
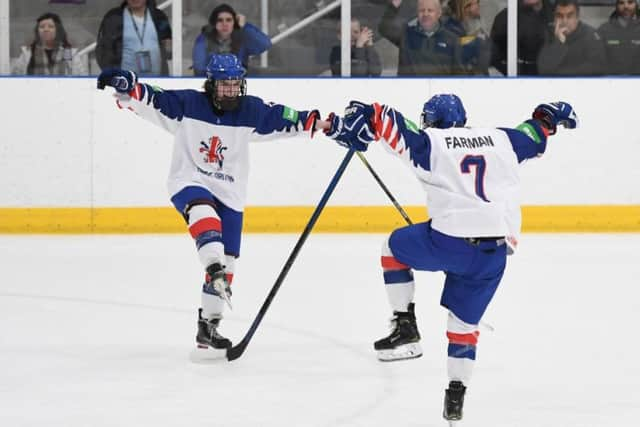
[
  {"x": 343, "y": 135},
  {"x": 123, "y": 81},
  {"x": 354, "y": 130},
  {"x": 556, "y": 113}
]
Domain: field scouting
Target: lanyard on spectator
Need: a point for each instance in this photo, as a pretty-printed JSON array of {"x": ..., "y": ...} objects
[{"x": 135, "y": 26}]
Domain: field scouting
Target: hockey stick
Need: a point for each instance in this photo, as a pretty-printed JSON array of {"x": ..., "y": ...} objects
[
  {"x": 236, "y": 351},
  {"x": 385, "y": 189}
]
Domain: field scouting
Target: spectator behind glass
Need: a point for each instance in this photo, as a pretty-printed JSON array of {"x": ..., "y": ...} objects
[
  {"x": 426, "y": 47},
  {"x": 135, "y": 36},
  {"x": 463, "y": 19},
  {"x": 535, "y": 20},
  {"x": 228, "y": 32},
  {"x": 575, "y": 48},
  {"x": 621, "y": 37},
  {"x": 365, "y": 60},
  {"x": 50, "y": 53}
]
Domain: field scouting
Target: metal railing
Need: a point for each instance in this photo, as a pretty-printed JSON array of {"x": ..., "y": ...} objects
[{"x": 176, "y": 22}]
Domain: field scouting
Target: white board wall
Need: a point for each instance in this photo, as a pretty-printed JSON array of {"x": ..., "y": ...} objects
[{"x": 65, "y": 144}]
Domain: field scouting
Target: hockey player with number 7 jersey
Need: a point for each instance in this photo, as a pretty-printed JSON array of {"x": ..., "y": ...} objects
[
  {"x": 210, "y": 165},
  {"x": 470, "y": 175}
]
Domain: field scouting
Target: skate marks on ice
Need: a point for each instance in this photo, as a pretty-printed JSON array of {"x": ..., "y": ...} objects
[
  {"x": 112, "y": 334},
  {"x": 284, "y": 361}
]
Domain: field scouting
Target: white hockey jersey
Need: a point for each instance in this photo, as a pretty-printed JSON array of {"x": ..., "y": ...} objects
[
  {"x": 470, "y": 174},
  {"x": 211, "y": 150}
]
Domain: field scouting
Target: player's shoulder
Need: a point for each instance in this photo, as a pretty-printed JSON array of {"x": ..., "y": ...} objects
[
  {"x": 189, "y": 93},
  {"x": 253, "y": 101}
]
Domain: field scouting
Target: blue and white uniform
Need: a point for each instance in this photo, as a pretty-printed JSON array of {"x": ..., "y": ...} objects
[
  {"x": 210, "y": 165},
  {"x": 212, "y": 150},
  {"x": 472, "y": 183}
]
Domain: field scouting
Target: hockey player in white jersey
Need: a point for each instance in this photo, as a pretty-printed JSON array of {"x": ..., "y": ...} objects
[
  {"x": 210, "y": 164},
  {"x": 472, "y": 184}
]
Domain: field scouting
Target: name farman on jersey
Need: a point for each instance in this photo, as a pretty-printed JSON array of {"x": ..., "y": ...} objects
[{"x": 454, "y": 142}]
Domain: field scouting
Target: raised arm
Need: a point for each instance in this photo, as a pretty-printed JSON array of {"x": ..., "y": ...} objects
[
  {"x": 163, "y": 108},
  {"x": 529, "y": 140}
]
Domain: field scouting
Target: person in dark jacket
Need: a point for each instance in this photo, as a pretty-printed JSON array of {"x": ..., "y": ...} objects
[
  {"x": 426, "y": 47},
  {"x": 227, "y": 32},
  {"x": 365, "y": 61},
  {"x": 535, "y": 18},
  {"x": 135, "y": 36},
  {"x": 621, "y": 37},
  {"x": 575, "y": 49}
]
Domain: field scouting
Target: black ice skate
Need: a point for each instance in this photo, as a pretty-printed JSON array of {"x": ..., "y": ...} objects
[
  {"x": 404, "y": 340},
  {"x": 453, "y": 401},
  {"x": 208, "y": 336},
  {"x": 217, "y": 284}
]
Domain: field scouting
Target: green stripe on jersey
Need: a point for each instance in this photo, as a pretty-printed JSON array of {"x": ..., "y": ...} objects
[
  {"x": 411, "y": 126},
  {"x": 290, "y": 114},
  {"x": 530, "y": 131}
]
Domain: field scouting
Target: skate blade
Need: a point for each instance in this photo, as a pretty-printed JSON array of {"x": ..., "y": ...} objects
[
  {"x": 403, "y": 352},
  {"x": 453, "y": 423},
  {"x": 205, "y": 355}
]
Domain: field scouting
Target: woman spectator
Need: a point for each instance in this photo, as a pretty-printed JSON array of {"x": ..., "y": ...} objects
[
  {"x": 50, "y": 53},
  {"x": 228, "y": 32}
]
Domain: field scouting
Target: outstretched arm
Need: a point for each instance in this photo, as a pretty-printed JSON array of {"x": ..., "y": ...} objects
[
  {"x": 529, "y": 140},
  {"x": 163, "y": 108},
  {"x": 277, "y": 121}
]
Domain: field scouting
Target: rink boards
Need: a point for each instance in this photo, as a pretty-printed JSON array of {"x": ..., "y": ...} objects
[{"x": 70, "y": 162}]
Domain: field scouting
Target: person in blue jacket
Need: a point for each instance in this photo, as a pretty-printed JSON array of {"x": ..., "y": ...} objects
[{"x": 227, "y": 32}]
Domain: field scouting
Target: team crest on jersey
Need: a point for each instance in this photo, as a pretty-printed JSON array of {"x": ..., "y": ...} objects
[{"x": 213, "y": 150}]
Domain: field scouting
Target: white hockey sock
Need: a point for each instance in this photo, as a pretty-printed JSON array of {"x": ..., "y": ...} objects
[
  {"x": 213, "y": 305},
  {"x": 398, "y": 280},
  {"x": 400, "y": 295},
  {"x": 463, "y": 338},
  {"x": 206, "y": 229}
]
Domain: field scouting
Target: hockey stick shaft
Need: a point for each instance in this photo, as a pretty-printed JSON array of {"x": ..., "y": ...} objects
[
  {"x": 385, "y": 189},
  {"x": 236, "y": 351}
]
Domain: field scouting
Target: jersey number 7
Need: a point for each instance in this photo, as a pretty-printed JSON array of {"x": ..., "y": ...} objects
[{"x": 481, "y": 166}]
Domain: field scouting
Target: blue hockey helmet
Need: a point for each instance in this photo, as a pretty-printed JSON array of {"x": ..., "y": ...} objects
[
  {"x": 442, "y": 112},
  {"x": 225, "y": 67}
]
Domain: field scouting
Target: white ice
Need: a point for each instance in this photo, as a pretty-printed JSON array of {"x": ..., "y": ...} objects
[{"x": 97, "y": 331}]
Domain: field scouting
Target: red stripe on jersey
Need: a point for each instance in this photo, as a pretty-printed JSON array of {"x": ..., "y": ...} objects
[
  {"x": 391, "y": 263},
  {"x": 205, "y": 224},
  {"x": 135, "y": 92},
  {"x": 463, "y": 339},
  {"x": 545, "y": 131},
  {"x": 394, "y": 141},
  {"x": 229, "y": 277},
  {"x": 387, "y": 130},
  {"x": 310, "y": 120},
  {"x": 377, "y": 120}
]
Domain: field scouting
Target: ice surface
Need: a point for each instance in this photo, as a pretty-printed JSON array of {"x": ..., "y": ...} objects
[{"x": 97, "y": 331}]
